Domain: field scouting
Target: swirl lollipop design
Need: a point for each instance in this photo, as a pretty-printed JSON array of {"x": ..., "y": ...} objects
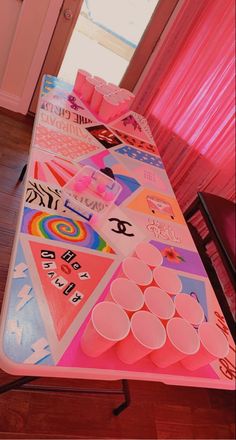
[{"x": 55, "y": 227}]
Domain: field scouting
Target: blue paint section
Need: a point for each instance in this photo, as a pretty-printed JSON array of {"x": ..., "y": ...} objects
[
  {"x": 28, "y": 318},
  {"x": 50, "y": 82},
  {"x": 141, "y": 156},
  {"x": 129, "y": 186},
  {"x": 197, "y": 289}
]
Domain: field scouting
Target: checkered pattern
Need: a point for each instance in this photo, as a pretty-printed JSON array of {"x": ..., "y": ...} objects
[{"x": 63, "y": 144}]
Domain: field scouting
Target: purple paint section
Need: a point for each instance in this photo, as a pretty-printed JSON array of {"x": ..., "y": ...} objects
[{"x": 189, "y": 261}]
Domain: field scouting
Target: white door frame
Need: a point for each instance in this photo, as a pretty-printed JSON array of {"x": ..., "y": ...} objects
[
  {"x": 33, "y": 33},
  {"x": 63, "y": 32},
  {"x": 58, "y": 45}
]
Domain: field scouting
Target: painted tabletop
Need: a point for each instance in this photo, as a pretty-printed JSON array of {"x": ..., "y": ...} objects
[{"x": 61, "y": 266}]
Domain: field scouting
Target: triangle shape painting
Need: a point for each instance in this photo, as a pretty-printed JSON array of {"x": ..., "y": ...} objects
[
  {"x": 68, "y": 279},
  {"x": 130, "y": 125}
]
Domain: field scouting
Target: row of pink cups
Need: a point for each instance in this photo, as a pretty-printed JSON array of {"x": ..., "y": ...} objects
[
  {"x": 142, "y": 319},
  {"x": 106, "y": 100},
  {"x": 144, "y": 334}
]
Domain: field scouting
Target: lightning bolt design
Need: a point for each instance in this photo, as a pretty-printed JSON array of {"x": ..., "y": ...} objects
[
  {"x": 39, "y": 351},
  {"x": 25, "y": 296},
  {"x": 19, "y": 270},
  {"x": 14, "y": 328}
]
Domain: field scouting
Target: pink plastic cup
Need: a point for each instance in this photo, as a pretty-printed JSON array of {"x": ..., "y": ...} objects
[
  {"x": 128, "y": 98},
  {"x": 99, "y": 80},
  {"x": 96, "y": 98},
  {"x": 80, "y": 79},
  {"x": 149, "y": 254},
  {"x": 109, "y": 324},
  {"x": 182, "y": 340},
  {"x": 137, "y": 271},
  {"x": 147, "y": 334},
  {"x": 99, "y": 91},
  {"x": 159, "y": 303},
  {"x": 213, "y": 345},
  {"x": 189, "y": 308},
  {"x": 108, "y": 108},
  {"x": 167, "y": 280},
  {"x": 113, "y": 88},
  {"x": 88, "y": 89},
  {"x": 127, "y": 294}
]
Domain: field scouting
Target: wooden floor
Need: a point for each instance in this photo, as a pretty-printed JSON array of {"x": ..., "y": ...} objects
[{"x": 156, "y": 410}]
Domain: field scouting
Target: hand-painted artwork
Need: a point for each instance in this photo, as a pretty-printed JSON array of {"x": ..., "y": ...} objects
[
  {"x": 42, "y": 195},
  {"x": 62, "y": 267},
  {"x": 120, "y": 231},
  {"x": 74, "y": 104},
  {"x": 50, "y": 168},
  {"x": 157, "y": 205},
  {"x": 25, "y": 339},
  {"x": 105, "y": 160},
  {"x": 51, "y": 82},
  {"x": 104, "y": 136},
  {"x": 197, "y": 289},
  {"x": 180, "y": 259},
  {"x": 130, "y": 124},
  {"x": 65, "y": 112},
  {"x": 168, "y": 232},
  {"x": 162, "y": 231},
  {"x": 55, "y": 227},
  {"x": 131, "y": 140},
  {"x": 39, "y": 195},
  {"x": 61, "y": 143},
  {"x": 69, "y": 128},
  {"x": 153, "y": 178},
  {"x": 141, "y": 156},
  {"x": 68, "y": 279},
  {"x": 145, "y": 127}
]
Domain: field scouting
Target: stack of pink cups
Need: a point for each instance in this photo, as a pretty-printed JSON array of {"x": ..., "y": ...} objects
[
  {"x": 106, "y": 100},
  {"x": 146, "y": 316}
]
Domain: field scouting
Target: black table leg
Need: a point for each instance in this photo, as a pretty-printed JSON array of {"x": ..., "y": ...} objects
[
  {"x": 126, "y": 403},
  {"x": 15, "y": 384},
  {"x": 23, "y": 171},
  {"x": 21, "y": 384}
]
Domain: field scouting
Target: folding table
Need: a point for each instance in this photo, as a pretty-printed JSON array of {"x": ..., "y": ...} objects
[{"x": 44, "y": 315}]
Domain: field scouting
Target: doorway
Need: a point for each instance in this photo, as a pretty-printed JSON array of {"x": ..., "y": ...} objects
[
  {"x": 126, "y": 40},
  {"x": 105, "y": 36}
]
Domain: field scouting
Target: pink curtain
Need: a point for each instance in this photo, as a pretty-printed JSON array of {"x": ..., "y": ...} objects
[{"x": 192, "y": 114}]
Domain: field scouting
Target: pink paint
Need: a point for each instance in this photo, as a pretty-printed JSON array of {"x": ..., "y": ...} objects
[
  {"x": 101, "y": 188},
  {"x": 147, "y": 334},
  {"x": 108, "y": 196},
  {"x": 214, "y": 345},
  {"x": 80, "y": 186},
  {"x": 182, "y": 340}
]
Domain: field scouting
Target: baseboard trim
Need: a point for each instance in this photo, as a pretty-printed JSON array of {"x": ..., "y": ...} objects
[{"x": 10, "y": 102}]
